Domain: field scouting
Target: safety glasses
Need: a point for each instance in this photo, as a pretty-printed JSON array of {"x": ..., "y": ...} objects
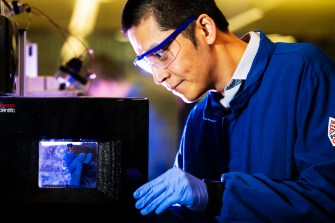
[{"x": 162, "y": 55}]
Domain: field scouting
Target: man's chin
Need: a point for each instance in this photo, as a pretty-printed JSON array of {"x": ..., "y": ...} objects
[{"x": 186, "y": 100}]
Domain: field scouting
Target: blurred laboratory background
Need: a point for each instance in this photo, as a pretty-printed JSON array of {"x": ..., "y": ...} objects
[{"x": 95, "y": 24}]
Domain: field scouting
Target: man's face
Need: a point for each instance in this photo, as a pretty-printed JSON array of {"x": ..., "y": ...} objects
[{"x": 187, "y": 75}]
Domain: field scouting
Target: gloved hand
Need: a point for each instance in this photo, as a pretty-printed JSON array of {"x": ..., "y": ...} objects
[
  {"x": 174, "y": 186},
  {"x": 75, "y": 165}
]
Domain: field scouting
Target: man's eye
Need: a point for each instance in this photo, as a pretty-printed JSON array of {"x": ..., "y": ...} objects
[{"x": 161, "y": 55}]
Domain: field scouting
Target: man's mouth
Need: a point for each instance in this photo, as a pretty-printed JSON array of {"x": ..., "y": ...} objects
[{"x": 174, "y": 87}]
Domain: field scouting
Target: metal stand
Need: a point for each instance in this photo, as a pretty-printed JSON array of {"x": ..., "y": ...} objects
[{"x": 21, "y": 90}]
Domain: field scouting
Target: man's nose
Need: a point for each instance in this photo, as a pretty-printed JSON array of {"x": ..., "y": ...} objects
[{"x": 160, "y": 75}]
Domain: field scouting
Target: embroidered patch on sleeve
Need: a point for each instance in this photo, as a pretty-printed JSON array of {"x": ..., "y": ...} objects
[{"x": 331, "y": 130}]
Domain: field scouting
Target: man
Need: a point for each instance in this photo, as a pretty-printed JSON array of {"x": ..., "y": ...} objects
[{"x": 259, "y": 146}]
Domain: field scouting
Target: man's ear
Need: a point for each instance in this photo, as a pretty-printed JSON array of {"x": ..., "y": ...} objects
[{"x": 208, "y": 28}]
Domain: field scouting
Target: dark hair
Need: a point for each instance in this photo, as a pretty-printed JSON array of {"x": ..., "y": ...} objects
[{"x": 170, "y": 14}]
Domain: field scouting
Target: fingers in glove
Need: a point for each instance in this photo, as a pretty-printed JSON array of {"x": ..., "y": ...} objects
[
  {"x": 164, "y": 201},
  {"x": 152, "y": 192},
  {"x": 148, "y": 187},
  {"x": 76, "y": 163},
  {"x": 69, "y": 156},
  {"x": 88, "y": 158}
]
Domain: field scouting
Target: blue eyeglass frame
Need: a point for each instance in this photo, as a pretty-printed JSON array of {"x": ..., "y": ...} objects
[{"x": 167, "y": 40}]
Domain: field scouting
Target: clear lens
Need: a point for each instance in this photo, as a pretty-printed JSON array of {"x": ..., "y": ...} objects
[
  {"x": 160, "y": 59},
  {"x": 144, "y": 65}
]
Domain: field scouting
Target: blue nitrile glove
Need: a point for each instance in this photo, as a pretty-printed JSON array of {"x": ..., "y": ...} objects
[
  {"x": 75, "y": 164},
  {"x": 174, "y": 186}
]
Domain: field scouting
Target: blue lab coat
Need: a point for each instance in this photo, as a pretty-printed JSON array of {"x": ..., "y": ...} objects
[{"x": 272, "y": 150}]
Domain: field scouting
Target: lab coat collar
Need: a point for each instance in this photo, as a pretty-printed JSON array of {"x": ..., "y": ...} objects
[{"x": 215, "y": 111}]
